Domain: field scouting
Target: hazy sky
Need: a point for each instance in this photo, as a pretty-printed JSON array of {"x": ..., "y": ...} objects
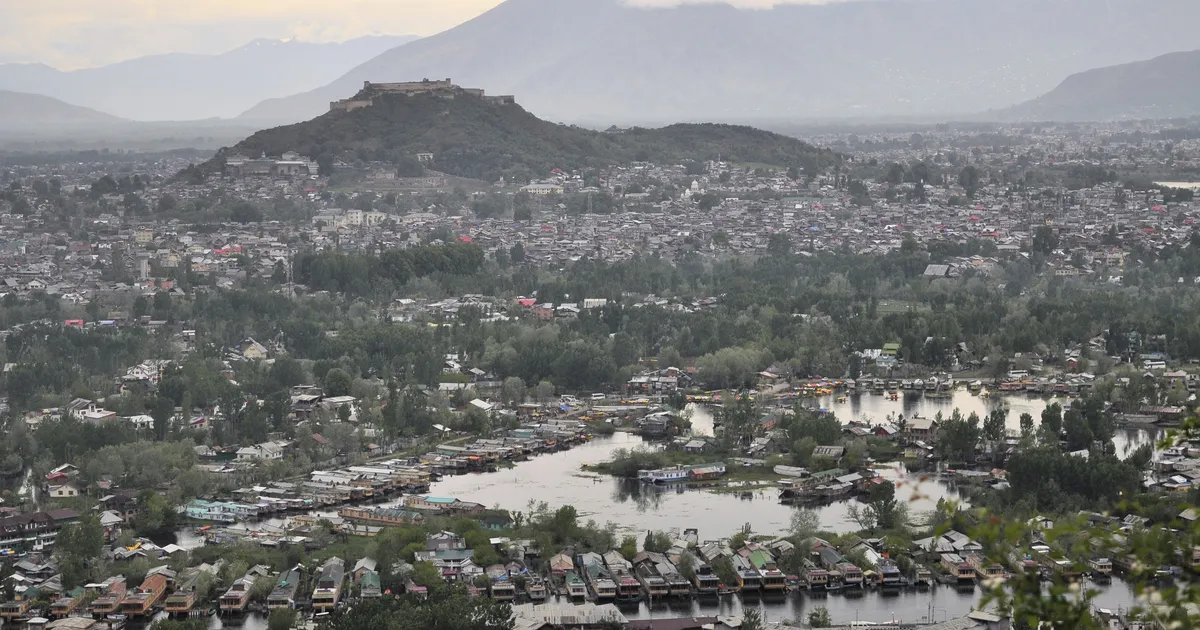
[{"x": 81, "y": 33}]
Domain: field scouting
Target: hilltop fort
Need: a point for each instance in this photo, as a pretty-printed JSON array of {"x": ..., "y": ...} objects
[{"x": 444, "y": 88}]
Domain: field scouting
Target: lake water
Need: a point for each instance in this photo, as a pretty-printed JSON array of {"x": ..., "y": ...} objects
[{"x": 634, "y": 508}]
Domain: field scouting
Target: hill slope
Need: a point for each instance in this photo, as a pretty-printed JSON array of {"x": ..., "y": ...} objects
[
  {"x": 712, "y": 61},
  {"x": 472, "y": 137},
  {"x": 191, "y": 87},
  {"x": 31, "y": 112},
  {"x": 1162, "y": 87}
]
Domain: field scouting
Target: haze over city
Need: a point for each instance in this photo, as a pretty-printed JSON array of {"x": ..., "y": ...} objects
[{"x": 599, "y": 315}]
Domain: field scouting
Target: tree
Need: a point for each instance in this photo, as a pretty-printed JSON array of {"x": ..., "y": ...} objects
[
  {"x": 446, "y": 609},
  {"x": 1045, "y": 239},
  {"x": 544, "y": 391},
  {"x": 1026, "y": 426},
  {"x": 281, "y": 619},
  {"x": 958, "y": 437},
  {"x": 245, "y": 212},
  {"x": 517, "y": 253},
  {"x": 1052, "y": 420},
  {"x": 752, "y": 619},
  {"x": 512, "y": 392},
  {"x": 657, "y": 541},
  {"x": 338, "y": 382},
  {"x": 969, "y": 178},
  {"x": 629, "y": 547},
  {"x": 1077, "y": 433},
  {"x": 820, "y": 618},
  {"x": 779, "y": 243},
  {"x": 805, "y": 523},
  {"x": 994, "y": 429},
  {"x": 162, "y": 411}
]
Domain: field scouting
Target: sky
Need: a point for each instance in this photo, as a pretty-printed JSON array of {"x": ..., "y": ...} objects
[{"x": 70, "y": 34}]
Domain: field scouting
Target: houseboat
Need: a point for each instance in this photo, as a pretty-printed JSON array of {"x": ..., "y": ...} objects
[
  {"x": 890, "y": 579},
  {"x": 834, "y": 582},
  {"x": 576, "y": 588},
  {"x": 678, "y": 586},
  {"x": 773, "y": 580},
  {"x": 109, "y": 597},
  {"x": 815, "y": 578},
  {"x": 985, "y": 570},
  {"x": 629, "y": 589},
  {"x": 1101, "y": 570},
  {"x": 959, "y": 570},
  {"x": 13, "y": 611},
  {"x": 502, "y": 589},
  {"x": 598, "y": 577},
  {"x": 750, "y": 581},
  {"x": 653, "y": 584},
  {"x": 235, "y": 600},
  {"x": 852, "y": 577},
  {"x": 66, "y": 605},
  {"x": 284, "y": 593},
  {"x": 535, "y": 589},
  {"x": 181, "y": 602},
  {"x": 707, "y": 583},
  {"x": 923, "y": 578},
  {"x": 141, "y": 602},
  {"x": 682, "y": 474},
  {"x": 328, "y": 591}
]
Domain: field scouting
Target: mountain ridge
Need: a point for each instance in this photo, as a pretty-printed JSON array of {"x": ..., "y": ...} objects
[
  {"x": 712, "y": 61},
  {"x": 186, "y": 86},
  {"x": 1162, "y": 87},
  {"x": 21, "y": 111}
]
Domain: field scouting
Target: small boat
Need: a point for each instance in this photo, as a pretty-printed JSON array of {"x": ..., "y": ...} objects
[{"x": 975, "y": 386}]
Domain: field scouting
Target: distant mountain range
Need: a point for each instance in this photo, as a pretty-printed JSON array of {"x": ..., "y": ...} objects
[
  {"x": 470, "y": 136},
  {"x": 604, "y": 61},
  {"x": 1162, "y": 87},
  {"x": 193, "y": 87},
  {"x": 33, "y": 112}
]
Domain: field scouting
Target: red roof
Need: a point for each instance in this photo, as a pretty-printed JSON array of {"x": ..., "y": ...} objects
[{"x": 463, "y": 238}]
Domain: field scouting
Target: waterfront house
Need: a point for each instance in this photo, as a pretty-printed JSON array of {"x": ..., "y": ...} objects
[
  {"x": 328, "y": 591},
  {"x": 286, "y": 587},
  {"x": 237, "y": 597},
  {"x": 370, "y": 585}
]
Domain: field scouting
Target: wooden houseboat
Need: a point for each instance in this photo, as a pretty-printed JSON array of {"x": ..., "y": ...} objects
[
  {"x": 1101, "y": 570},
  {"x": 576, "y": 587},
  {"x": 629, "y": 589},
  {"x": 12, "y": 611},
  {"x": 535, "y": 589},
  {"x": 707, "y": 583},
  {"x": 815, "y": 578},
  {"x": 235, "y": 600},
  {"x": 959, "y": 569},
  {"x": 890, "y": 579},
  {"x": 66, "y": 605},
  {"x": 108, "y": 597},
  {"x": 598, "y": 577},
  {"x": 653, "y": 584},
  {"x": 141, "y": 602}
]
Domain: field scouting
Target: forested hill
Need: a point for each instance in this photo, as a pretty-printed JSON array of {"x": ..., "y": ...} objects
[{"x": 473, "y": 137}]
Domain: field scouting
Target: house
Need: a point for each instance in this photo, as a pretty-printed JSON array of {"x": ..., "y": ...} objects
[
  {"x": 361, "y": 568},
  {"x": 63, "y": 491},
  {"x": 924, "y": 429},
  {"x": 253, "y": 350},
  {"x": 834, "y": 453},
  {"x": 263, "y": 451},
  {"x": 443, "y": 541}
]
